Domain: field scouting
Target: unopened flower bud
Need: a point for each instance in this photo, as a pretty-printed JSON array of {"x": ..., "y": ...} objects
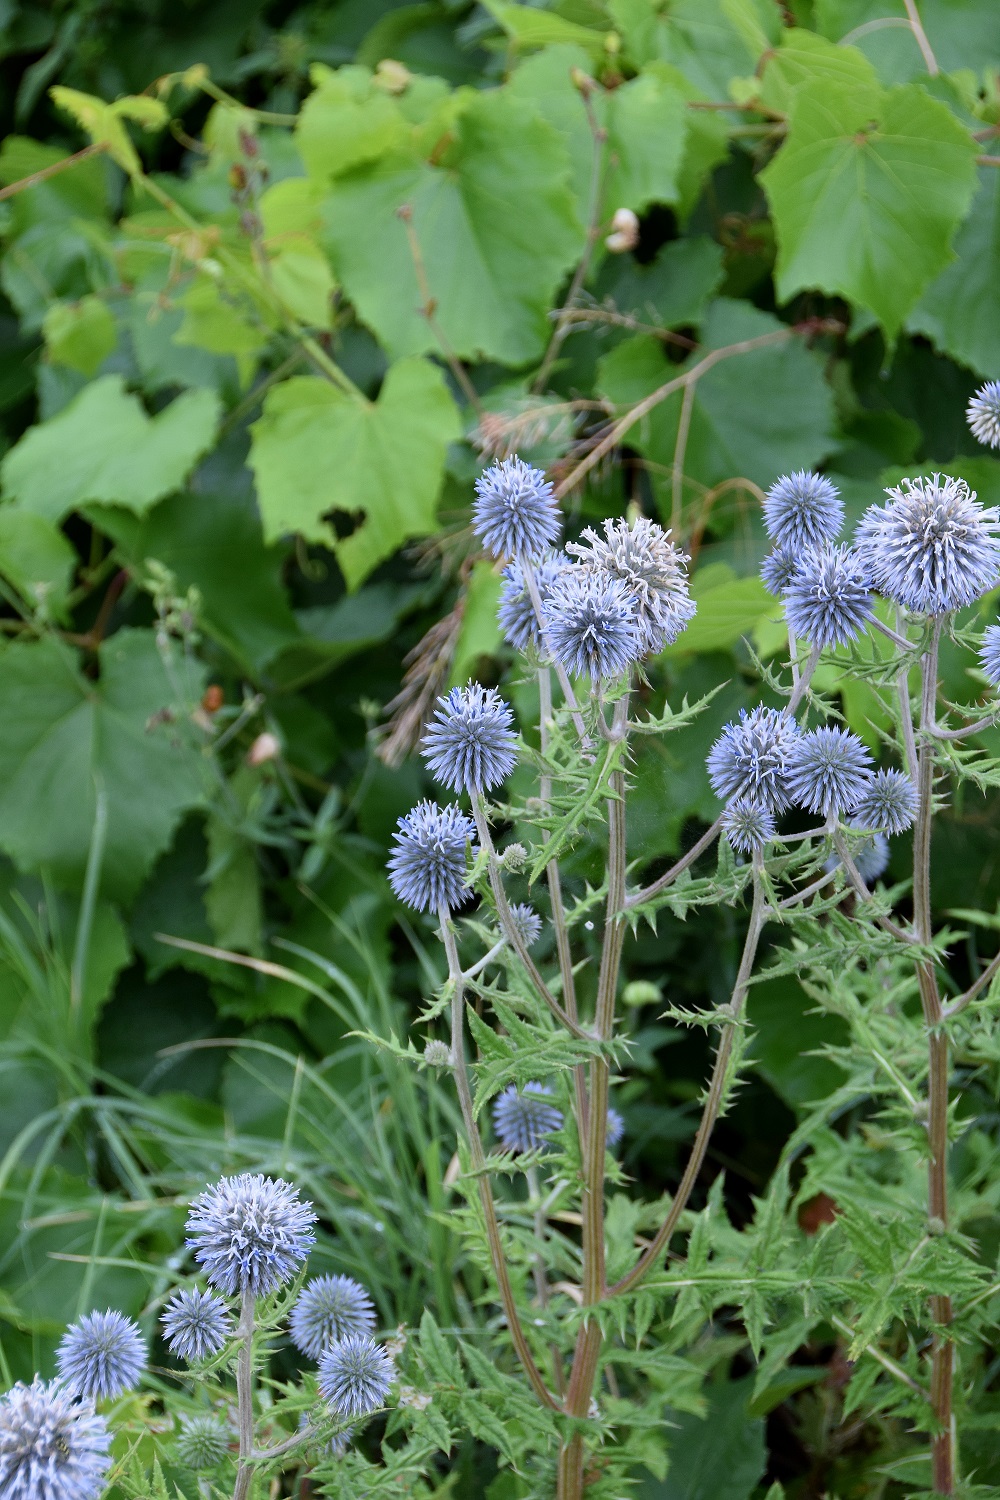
[
  {"x": 625, "y": 231},
  {"x": 437, "y": 1054},
  {"x": 392, "y": 76},
  {"x": 213, "y": 698},
  {"x": 582, "y": 81},
  {"x": 514, "y": 858},
  {"x": 641, "y": 992},
  {"x": 265, "y": 747}
]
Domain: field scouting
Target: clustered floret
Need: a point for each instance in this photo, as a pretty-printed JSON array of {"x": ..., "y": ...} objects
[
  {"x": 470, "y": 746},
  {"x": 516, "y": 610},
  {"x": 591, "y": 625},
  {"x": 829, "y": 770},
  {"x": 52, "y": 1445},
  {"x": 989, "y": 655},
  {"x": 643, "y": 558},
  {"x": 748, "y": 826},
  {"x": 803, "y": 510},
  {"x": 327, "y": 1309},
  {"x": 527, "y": 923},
  {"x": 523, "y": 1118},
  {"x": 355, "y": 1375},
  {"x": 202, "y": 1443},
  {"x": 427, "y": 867},
  {"x": 983, "y": 413},
  {"x": 101, "y": 1355},
  {"x": 196, "y": 1324},
  {"x": 933, "y": 548},
  {"x": 749, "y": 760},
  {"x": 250, "y": 1233},
  {"x": 827, "y": 600},
  {"x": 515, "y": 513},
  {"x": 888, "y": 804},
  {"x": 778, "y": 569}
]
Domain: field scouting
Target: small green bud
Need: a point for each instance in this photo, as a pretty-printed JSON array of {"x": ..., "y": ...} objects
[
  {"x": 514, "y": 858},
  {"x": 641, "y": 992},
  {"x": 437, "y": 1055}
]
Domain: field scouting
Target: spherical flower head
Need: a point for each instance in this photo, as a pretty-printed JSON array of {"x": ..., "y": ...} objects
[
  {"x": 615, "y": 1128},
  {"x": 642, "y": 557},
  {"x": 749, "y": 759},
  {"x": 527, "y": 922},
  {"x": 828, "y": 602},
  {"x": 590, "y": 625},
  {"x": 427, "y": 866},
  {"x": 250, "y": 1233},
  {"x": 778, "y": 569},
  {"x": 515, "y": 513},
  {"x": 983, "y": 413},
  {"x": 355, "y": 1375},
  {"x": 437, "y": 1054},
  {"x": 202, "y": 1443},
  {"x": 103, "y": 1354},
  {"x": 326, "y": 1310},
  {"x": 523, "y": 1120},
  {"x": 829, "y": 770},
  {"x": 889, "y": 804},
  {"x": 989, "y": 655},
  {"x": 196, "y": 1324},
  {"x": 52, "y": 1446},
  {"x": 933, "y": 548},
  {"x": 870, "y": 856},
  {"x": 803, "y": 510},
  {"x": 748, "y": 825},
  {"x": 516, "y": 611},
  {"x": 471, "y": 746}
]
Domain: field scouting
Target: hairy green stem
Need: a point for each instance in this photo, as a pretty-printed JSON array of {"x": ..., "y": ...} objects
[{"x": 244, "y": 1396}]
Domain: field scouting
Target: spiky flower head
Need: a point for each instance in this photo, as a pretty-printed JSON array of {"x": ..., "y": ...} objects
[
  {"x": 889, "y": 803},
  {"x": 749, "y": 759},
  {"x": 615, "y": 1128},
  {"x": 989, "y": 655},
  {"x": 523, "y": 1119},
  {"x": 933, "y": 547},
  {"x": 427, "y": 865},
  {"x": 829, "y": 770},
  {"x": 642, "y": 557},
  {"x": 590, "y": 625},
  {"x": 870, "y": 855},
  {"x": 527, "y": 922},
  {"x": 202, "y": 1443},
  {"x": 52, "y": 1446},
  {"x": 778, "y": 569},
  {"x": 516, "y": 611},
  {"x": 827, "y": 602},
  {"x": 102, "y": 1354},
  {"x": 803, "y": 510},
  {"x": 437, "y": 1054},
  {"x": 516, "y": 513},
  {"x": 470, "y": 746},
  {"x": 983, "y": 413},
  {"x": 355, "y": 1375},
  {"x": 326, "y": 1310},
  {"x": 196, "y": 1324},
  {"x": 748, "y": 826},
  {"x": 251, "y": 1233}
]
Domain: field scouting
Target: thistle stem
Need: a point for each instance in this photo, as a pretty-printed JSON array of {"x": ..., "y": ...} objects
[{"x": 244, "y": 1396}]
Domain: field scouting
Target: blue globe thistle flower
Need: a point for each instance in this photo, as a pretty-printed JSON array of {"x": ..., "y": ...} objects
[
  {"x": 202, "y": 1443},
  {"x": 516, "y": 513},
  {"x": 528, "y": 923},
  {"x": 196, "y": 1324},
  {"x": 889, "y": 804},
  {"x": 989, "y": 655},
  {"x": 471, "y": 746},
  {"x": 326, "y": 1310},
  {"x": 615, "y": 1128},
  {"x": 643, "y": 558},
  {"x": 749, "y": 759},
  {"x": 103, "y": 1354},
  {"x": 52, "y": 1446},
  {"x": 829, "y": 770},
  {"x": 983, "y": 413},
  {"x": 355, "y": 1375},
  {"x": 427, "y": 866},
  {"x": 828, "y": 602},
  {"x": 870, "y": 856},
  {"x": 803, "y": 510},
  {"x": 748, "y": 826},
  {"x": 590, "y": 625},
  {"x": 250, "y": 1233},
  {"x": 933, "y": 548},
  {"x": 778, "y": 569},
  {"x": 515, "y": 612},
  {"x": 523, "y": 1120}
]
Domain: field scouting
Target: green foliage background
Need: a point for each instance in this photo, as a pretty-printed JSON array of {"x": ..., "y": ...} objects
[{"x": 236, "y": 472}]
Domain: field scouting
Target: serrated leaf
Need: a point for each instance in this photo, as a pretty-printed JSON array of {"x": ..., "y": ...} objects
[
  {"x": 62, "y": 730},
  {"x": 867, "y": 193},
  {"x": 493, "y": 221},
  {"x": 80, "y": 334},
  {"x": 442, "y": 1361},
  {"x": 103, "y": 122},
  {"x": 804, "y": 59},
  {"x": 36, "y": 558},
  {"x": 104, "y": 449},
  {"x": 317, "y": 450}
]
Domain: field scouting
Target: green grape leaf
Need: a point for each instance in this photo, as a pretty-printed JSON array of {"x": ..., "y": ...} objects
[
  {"x": 63, "y": 731},
  {"x": 316, "y": 450},
  {"x": 346, "y": 121},
  {"x": 36, "y": 558},
  {"x": 710, "y": 41},
  {"x": 803, "y": 60},
  {"x": 493, "y": 224},
  {"x": 104, "y": 448},
  {"x": 529, "y": 27},
  {"x": 960, "y": 310},
  {"x": 80, "y": 334},
  {"x": 961, "y": 33},
  {"x": 867, "y": 193}
]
